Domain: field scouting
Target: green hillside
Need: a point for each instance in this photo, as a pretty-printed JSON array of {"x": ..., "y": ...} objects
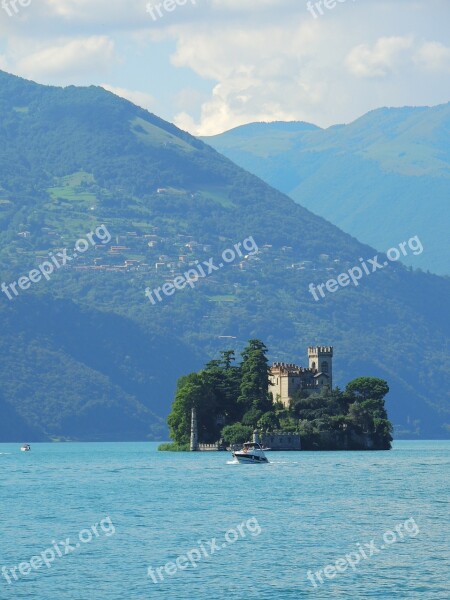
[
  {"x": 381, "y": 178},
  {"x": 86, "y": 355}
]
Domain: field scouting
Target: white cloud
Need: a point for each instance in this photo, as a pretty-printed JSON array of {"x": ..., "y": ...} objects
[
  {"x": 433, "y": 56},
  {"x": 262, "y": 74},
  {"x": 239, "y": 101},
  {"x": 87, "y": 55},
  {"x": 383, "y": 59},
  {"x": 139, "y": 98},
  {"x": 221, "y": 63}
]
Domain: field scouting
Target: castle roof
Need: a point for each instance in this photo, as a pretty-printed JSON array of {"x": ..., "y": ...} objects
[{"x": 289, "y": 369}]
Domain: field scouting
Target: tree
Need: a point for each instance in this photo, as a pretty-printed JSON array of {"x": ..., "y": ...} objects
[
  {"x": 194, "y": 391},
  {"x": 252, "y": 417},
  {"x": 189, "y": 394},
  {"x": 236, "y": 434},
  {"x": 305, "y": 427},
  {"x": 255, "y": 378},
  {"x": 338, "y": 423},
  {"x": 368, "y": 387},
  {"x": 383, "y": 430},
  {"x": 231, "y": 384},
  {"x": 375, "y": 407},
  {"x": 268, "y": 422},
  {"x": 225, "y": 379},
  {"x": 361, "y": 418}
]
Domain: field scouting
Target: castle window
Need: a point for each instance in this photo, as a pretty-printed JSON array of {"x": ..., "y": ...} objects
[
  {"x": 325, "y": 367},
  {"x": 313, "y": 365}
]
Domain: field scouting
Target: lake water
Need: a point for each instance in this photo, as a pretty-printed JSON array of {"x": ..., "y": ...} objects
[{"x": 252, "y": 531}]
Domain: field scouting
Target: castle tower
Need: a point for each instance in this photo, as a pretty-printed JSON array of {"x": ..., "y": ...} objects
[
  {"x": 194, "y": 431},
  {"x": 321, "y": 360}
]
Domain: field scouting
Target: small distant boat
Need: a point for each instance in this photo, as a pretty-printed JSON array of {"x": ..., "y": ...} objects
[
  {"x": 25, "y": 448},
  {"x": 251, "y": 453}
]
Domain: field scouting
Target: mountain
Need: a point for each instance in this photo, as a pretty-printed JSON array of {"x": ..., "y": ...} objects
[
  {"x": 86, "y": 355},
  {"x": 71, "y": 372},
  {"x": 383, "y": 178}
]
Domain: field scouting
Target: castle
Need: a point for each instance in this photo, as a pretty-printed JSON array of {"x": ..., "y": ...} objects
[{"x": 286, "y": 379}]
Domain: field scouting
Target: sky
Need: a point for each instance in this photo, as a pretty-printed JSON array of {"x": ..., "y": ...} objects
[{"x": 211, "y": 65}]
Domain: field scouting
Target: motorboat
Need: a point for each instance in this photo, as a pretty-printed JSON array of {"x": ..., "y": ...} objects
[
  {"x": 250, "y": 453},
  {"x": 25, "y": 448}
]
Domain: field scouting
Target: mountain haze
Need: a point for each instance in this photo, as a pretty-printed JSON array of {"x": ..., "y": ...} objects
[
  {"x": 383, "y": 178},
  {"x": 88, "y": 356}
]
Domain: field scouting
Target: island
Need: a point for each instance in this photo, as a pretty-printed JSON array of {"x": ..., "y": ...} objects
[{"x": 286, "y": 406}]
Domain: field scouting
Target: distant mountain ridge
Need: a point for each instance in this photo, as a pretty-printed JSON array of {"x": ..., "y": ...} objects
[
  {"x": 273, "y": 126},
  {"x": 86, "y": 356},
  {"x": 380, "y": 178}
]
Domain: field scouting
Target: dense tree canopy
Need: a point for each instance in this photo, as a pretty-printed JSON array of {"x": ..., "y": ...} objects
[
  {"x": 368, "y": 387},
  {"x": 236, "y": 434},
  {"x": 232, "y": 401},
  {"x": 222, "y": 393},
  {"x": 255, "y": 377}
]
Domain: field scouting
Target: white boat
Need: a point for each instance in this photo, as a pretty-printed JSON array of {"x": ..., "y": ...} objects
[
  {"x": 251, "y": 453},
  {"x": 25, "y": 448}
]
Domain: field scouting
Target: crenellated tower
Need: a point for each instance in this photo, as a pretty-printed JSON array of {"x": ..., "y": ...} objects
[{"x": 321, "y": 361}]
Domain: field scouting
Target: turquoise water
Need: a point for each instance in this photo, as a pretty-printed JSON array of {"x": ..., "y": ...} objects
[{"x": 302, "y": 512}]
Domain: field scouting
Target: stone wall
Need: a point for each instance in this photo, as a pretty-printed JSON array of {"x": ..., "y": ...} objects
[
  {"x": 280, "y": 440},
  {"x": 341, "y": 440}
]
